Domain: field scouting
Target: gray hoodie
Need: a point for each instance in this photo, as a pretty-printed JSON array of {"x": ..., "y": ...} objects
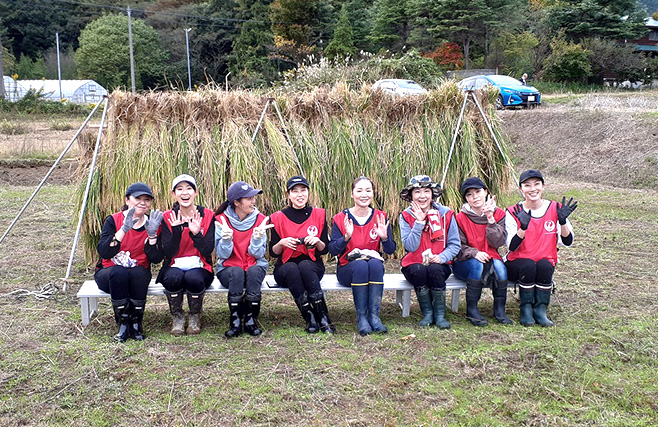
[{"x": 224, "y": 248}]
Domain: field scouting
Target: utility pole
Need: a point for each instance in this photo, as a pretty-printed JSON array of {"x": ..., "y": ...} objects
[
  {"x": 59, "y": 67},
  {"x": 132, "y": 58},
  {"x": 189, "y": 73},
  {"x": 2, "y": 72}
]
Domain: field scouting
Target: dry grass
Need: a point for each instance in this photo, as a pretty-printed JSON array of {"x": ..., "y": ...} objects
[{"x": 335, "y": 135}]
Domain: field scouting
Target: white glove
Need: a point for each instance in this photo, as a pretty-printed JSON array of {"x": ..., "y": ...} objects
[
  {"x": 260, "y": 231},
  {"x": 226, "y": 232},
  {"x": 427, "y": 255}
]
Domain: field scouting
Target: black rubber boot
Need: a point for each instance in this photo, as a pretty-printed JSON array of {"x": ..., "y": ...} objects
[
  {"x": 500, "y": 300},
  {"x": 527, "y": 300},
  {"x": 321, "y": 312},
  {"x": 360, "y": 295},
  {"x": 235, "y": 322},
  {"x": 195, "y": 303},
  {"x": 252, "y": 310},
  {"x": 439, "y": 305},
  {"x": 473, "y": 294},
  {"x": 425, "y": 303},
  {"x": 542, "y": 300},
  {"x": 306, "y": 310},
  {"x": 122, "y": 310},
  {"x": 375, "y": 294},
  {"x": 136, "y": 318},
  {"x": 175, "y": 300}
]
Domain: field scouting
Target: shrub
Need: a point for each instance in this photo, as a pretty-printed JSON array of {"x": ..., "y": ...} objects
[
  {"x": 12, "y": 128},
  {"x": 567, "y": 62}
]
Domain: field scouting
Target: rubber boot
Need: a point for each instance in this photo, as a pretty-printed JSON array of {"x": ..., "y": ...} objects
[
  {"x": 321, "y": 312},
  {"x": 439, "y": 303},
  {"x": 235, "y": 322},
  {"x": 473, "y": 294},
  {"x": 122, "y": 311},
  {"x": 360, "y": 295},
  {"x": 542, "y": 300},
  {"x": 375, "y": 294},
  {"x": 176, "y": 309},
  {"x": 195, "y": 303},
  {"x": 527, "y": 300},
  {"x": 306, "y": 310},
  {"x": 425, "y": 303},
  {"x": 500, "y": 300},
  {"x": 136, "y": 330},
  {"x": 251, "y": 312}
]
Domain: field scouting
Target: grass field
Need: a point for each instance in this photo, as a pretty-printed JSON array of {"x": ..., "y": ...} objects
[{"x": 597, "y": 367}]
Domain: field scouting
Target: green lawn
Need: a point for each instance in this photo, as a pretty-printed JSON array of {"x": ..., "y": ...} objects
[{"x": 597, "y": 367}]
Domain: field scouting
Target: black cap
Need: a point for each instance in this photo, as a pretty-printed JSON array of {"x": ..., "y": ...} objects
[
  {"x": 240, "y": 189},
  {"x": 295, "y": 180},
  {"x": 530, "y": 173},
  {"x": 472, "y": 182},
  {"x": 139, "y": 189}
]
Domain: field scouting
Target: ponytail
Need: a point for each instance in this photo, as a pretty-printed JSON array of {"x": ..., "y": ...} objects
[{"x": 222, "y": 207}]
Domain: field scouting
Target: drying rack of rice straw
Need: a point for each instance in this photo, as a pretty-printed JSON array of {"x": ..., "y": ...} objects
[
  {"x": 59, "y": 159},
  {"x": 470, "y": 94}
]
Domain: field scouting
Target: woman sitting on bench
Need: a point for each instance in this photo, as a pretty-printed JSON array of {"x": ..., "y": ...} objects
[
  {"x": 240, "y": 245},
  {"x": 431, "y": 239},
  {"x": 127, "y": 247},
  {"x": 188, "y": 239},
  {"x": 535, "y": 226},
  {"x": 356, "y": 236},
  {"x": 298, "y": 240}
]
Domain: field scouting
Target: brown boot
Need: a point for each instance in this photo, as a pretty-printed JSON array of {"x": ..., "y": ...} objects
[
  {"x": 176, "y": 308},
  {"x": 195, "y": 302}
]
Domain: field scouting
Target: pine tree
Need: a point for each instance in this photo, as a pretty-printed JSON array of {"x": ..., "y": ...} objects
[{"x": 342, "y": 44}]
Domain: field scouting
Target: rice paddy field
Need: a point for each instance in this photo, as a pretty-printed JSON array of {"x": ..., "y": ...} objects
[{"x": 596, "y": 367}]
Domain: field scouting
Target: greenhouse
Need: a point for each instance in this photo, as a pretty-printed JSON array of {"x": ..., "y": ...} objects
[{"x": 76, "y": 91}]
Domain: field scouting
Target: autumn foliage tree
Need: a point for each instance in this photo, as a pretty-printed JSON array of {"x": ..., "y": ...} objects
[{"x": 448, "y": 56}]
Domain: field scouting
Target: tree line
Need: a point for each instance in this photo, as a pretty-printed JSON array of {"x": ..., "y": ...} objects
[{"x": 255, "y": 43}]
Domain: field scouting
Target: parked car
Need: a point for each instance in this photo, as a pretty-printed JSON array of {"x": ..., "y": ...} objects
[
  {"x": 399, "y": 87},
  {"x": 513, "y": 93}
]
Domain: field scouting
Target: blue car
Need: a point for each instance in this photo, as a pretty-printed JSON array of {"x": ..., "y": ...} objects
[{"x": 513, "y": 93}]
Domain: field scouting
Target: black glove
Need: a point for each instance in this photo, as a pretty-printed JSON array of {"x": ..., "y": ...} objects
[
  {"x": 565, "y": 209},
  {"x": 523, "y": 216}
]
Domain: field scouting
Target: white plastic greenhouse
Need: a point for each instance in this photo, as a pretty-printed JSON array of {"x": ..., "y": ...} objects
[{"x": 76, "y": 91}]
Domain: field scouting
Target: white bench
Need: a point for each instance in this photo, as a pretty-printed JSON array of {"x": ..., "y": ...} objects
[{"x": 89, "y": 292}]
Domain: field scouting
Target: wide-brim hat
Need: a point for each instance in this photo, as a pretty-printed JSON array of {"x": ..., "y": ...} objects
[{"x": 421, "y": 181}]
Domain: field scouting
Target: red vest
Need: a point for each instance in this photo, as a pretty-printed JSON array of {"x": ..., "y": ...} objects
[
  {"x": 437, "y": 245},
  {"x": 241, "y": 239},
  {"x": 313, "y": 226},
  {"x": 132, "y": 242},
  {"x": 363, "y": 237},
  {"x": 540, "y": 240},
  {"x": 186, "y": 247},
  {"x": 476, "y": 234}
]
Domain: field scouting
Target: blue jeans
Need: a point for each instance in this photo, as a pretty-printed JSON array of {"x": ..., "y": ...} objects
[{"x": 472, "y": 269}]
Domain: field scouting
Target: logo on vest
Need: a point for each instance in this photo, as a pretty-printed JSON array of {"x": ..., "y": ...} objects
[
  {"x": 373, "y": 234},
  {"x": 312, "y": 230},
  {"x": 549, "y": 226}
]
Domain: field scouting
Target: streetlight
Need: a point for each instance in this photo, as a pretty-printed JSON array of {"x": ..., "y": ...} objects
[{"x": 189, "y": 73}]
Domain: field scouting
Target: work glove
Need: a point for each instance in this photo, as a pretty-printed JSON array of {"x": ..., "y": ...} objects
[
  {"x": 226, "y": 232},
  {"x": 566, "y": 209},
  {"x": 260, "y": 231},
  {"x": 523, "y": 216},
  {"x": 153, "y": 223},
  {"x": 129, "y": 222}
]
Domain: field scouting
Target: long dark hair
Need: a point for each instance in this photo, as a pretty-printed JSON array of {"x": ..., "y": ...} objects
[{"x": 222, "y": 207}]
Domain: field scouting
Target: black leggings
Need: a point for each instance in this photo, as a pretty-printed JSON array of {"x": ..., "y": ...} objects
[
  {"x": 194, "y": 281},
  {"x": 528, "y": 272},
  {"x": 236, "y": 280},
  {"x": 121, "y": 282},
  {"x": 300, "y": 277},
  {"x": 433, "y": 276}
]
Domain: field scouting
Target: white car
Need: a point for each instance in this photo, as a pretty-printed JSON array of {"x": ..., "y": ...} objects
[{"x": 399, "y": 87}]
